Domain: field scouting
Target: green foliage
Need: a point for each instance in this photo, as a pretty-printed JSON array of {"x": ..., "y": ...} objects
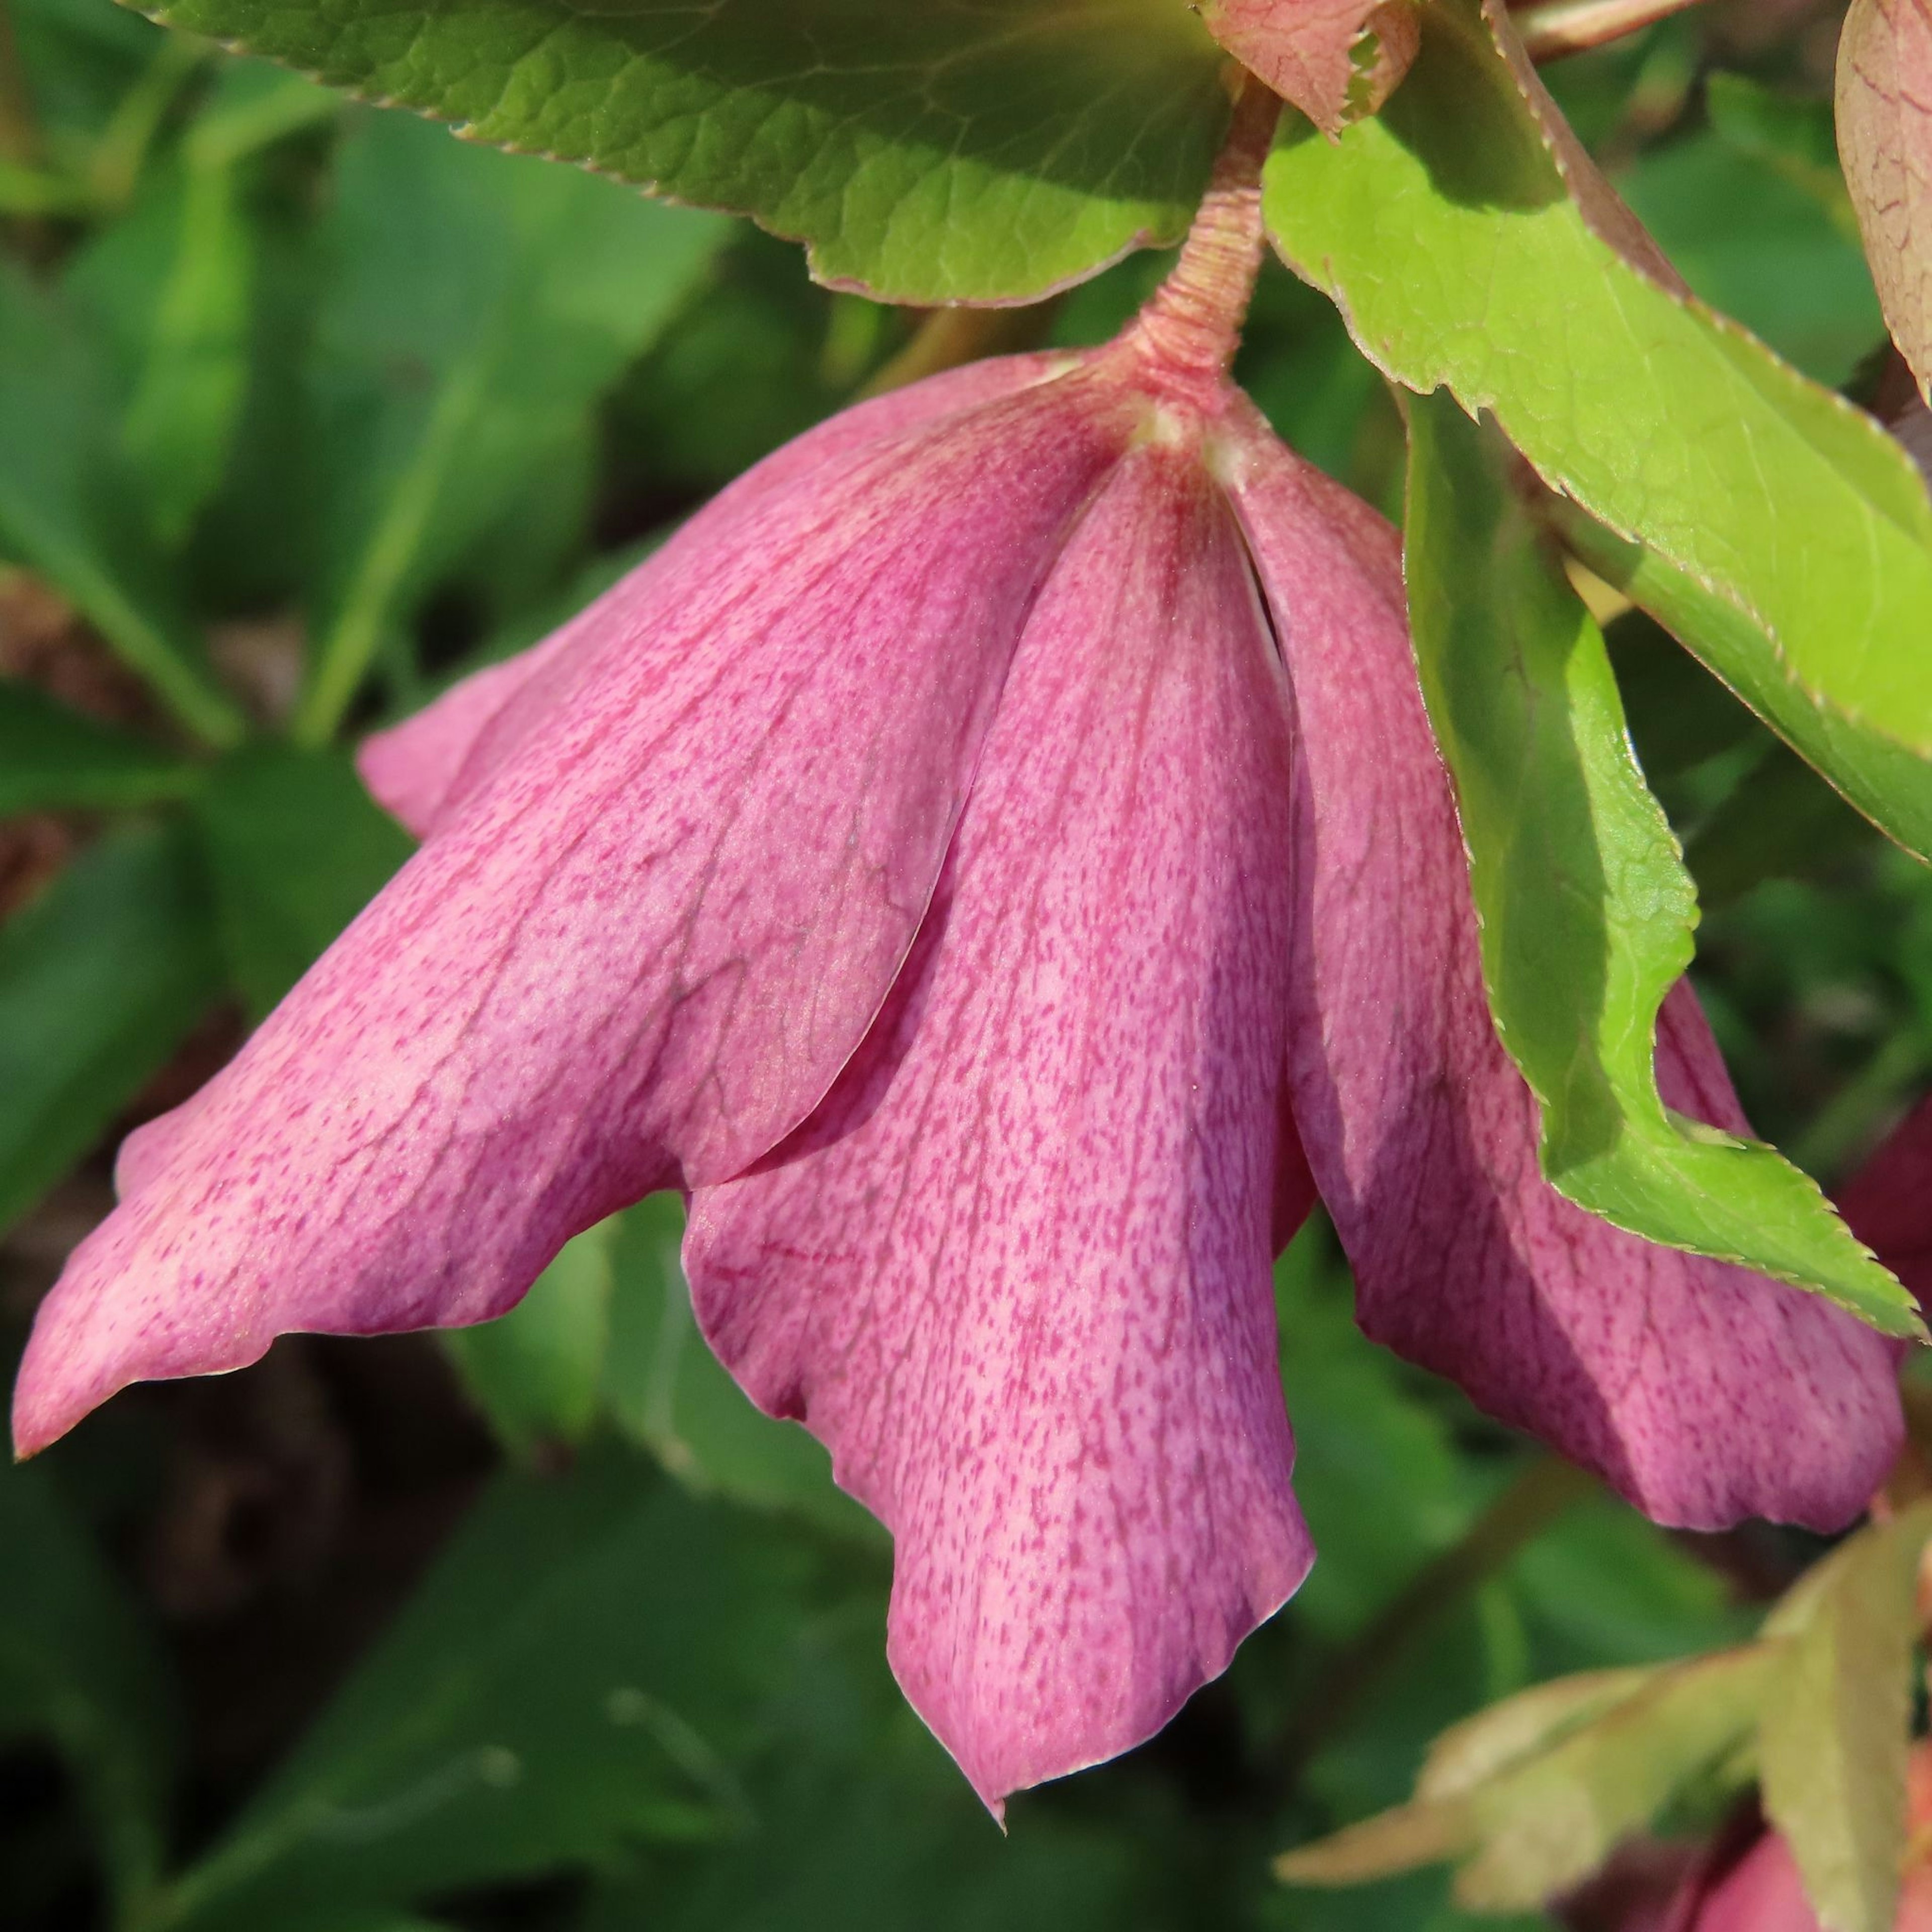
[
  {"x": 100, "y": 978},
  {"x": 579, "y": 1675},
  {"x": 944, "y": 152},
  {"x": 53, "y": 759},
  {"x": 482, "y": 306},
  {"x": 294, "y": 848},
  {"x": 67, "y": 505},
  {"x": 78, "y": 1666},
  {"x": 1586, "y": 909},
  {"x": 1779, "y": 534}
]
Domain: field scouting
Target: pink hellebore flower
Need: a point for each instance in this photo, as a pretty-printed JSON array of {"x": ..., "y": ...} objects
[{"x": 995, "y": 860}]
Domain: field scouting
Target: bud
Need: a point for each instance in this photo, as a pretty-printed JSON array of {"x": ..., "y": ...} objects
[{"x": 974, "y": 860}]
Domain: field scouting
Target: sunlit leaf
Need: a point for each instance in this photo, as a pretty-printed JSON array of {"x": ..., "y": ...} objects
[
  {"x": 1586, "y": 909},
  {"x": 956, "y": 150},
  {"x": 1782, "y": 535},
  {"x": 1832, "y": 1744}
]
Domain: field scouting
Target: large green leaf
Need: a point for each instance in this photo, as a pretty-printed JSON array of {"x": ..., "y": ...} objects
[
  {"x": 53, "y": 759},
  {"x": 957, "y": 150},
  {"x": 100, "y": 978},
  {"x": 78, "y": 1667},
  {"x": 1783, "y": 536},
  {"x": 295, "y": 848},
  {"x": 578, "y": 1674},
  {"x": 1586, "y": 910},
  {"x": 68, "y": 509},
  {"x": 1832, "y": 1744},
  {"x": 482, "y": 304}
]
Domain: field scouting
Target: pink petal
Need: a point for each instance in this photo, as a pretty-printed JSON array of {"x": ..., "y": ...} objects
[
  {"x": 1311, "y": 51},
  {"x": 1884, "y": 136},
  {"x": 1703, "y": 1392},
  {"x": 638, "y": 952},
  {"x": 1015, "y": 1271},
  {"x": 414, "y": 767},
  {"x": 1762, "y": 1892},
  {"x": 1888, "y": 1201}
]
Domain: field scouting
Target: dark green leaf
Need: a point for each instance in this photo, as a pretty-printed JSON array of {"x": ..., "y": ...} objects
[
  {"x": 68, "y": 510},
  {"x": 1782, "y": 535},
  {"x": 483, "y": 304},
  {"x": 78, "y": 1667},
  {"x": 52, "y": 759},
  {"x": 667, "y": 1391},
  {"x": 295, "y": 849},
  {"x": 537, "y": 1371},
  {"x": 1586, "y": 909},
  {"x": 946, "y": 151},
  {"x": 579, "y": 1675},
  {"x": 100, "y": 978}
]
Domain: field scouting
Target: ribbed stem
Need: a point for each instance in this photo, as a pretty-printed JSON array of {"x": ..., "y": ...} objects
[{"x": 1193, "y": 325}]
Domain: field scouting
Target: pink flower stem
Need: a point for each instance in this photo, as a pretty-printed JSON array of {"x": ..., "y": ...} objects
[{"x": 1193, "y": 325}]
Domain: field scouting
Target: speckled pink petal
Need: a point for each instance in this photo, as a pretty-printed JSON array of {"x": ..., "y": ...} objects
[
  {"x": 638, "y": 952},
  {"x": 1703, "y": 1392},
  {"x": 414, "y": 767},
  {"x": 1015, "y": 1272}
]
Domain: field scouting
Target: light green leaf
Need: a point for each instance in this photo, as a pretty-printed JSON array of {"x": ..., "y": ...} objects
[
  {"x": 1532, "y": 1796},
  {"x": 1586, "y": 909},
  {"x": 666, "y": 1390},
  {"x": 959, "y": 150},
  {"x": 481, "y": 306},
  {"x": 295, "y": 848},
  {"x": 68, "y": 510},
  {"x": 53, "y": 759},
  {"x": 537, "y": 1371},
  {"x": 1783, "y": 536},
  {"x": 101, "y": 978},
  {"x": 78, "y": 1667},
  {"x": 1832, "y": 1744},
  {"x": 577, "y": 1676}
]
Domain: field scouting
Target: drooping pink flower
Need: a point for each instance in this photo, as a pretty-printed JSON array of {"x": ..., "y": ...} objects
[{"x": 974, "y": 859}]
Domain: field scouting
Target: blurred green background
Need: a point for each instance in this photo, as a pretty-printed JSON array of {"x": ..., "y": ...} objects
[{"x": 305, "y": 409}]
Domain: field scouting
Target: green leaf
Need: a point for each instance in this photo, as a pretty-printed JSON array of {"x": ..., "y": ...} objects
[
  {"x": 295, "y": 848},
  {"x": 482, "y": 304},
  {"x": 667, "y": 1392},
  {"x": 67, "y": 509},
  {"x": 77, "y": 1666},
  {"x": 1792, "y": 134},
  {"x": 1793, "y": 275},
  {"x": 1781, "y": 534},
  {"x": 537, "y": 1372},
  {"x": 1832, "y": 1744},
  {"x": 944, "y": 152},
  {"x": 53, "y": 759},
  {"x": 1532, "y": 1796},
  {"x": 1586, "y": 909},
  {"x": 101, "y": 977},
  {"x": 578, "y": 1674}
]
